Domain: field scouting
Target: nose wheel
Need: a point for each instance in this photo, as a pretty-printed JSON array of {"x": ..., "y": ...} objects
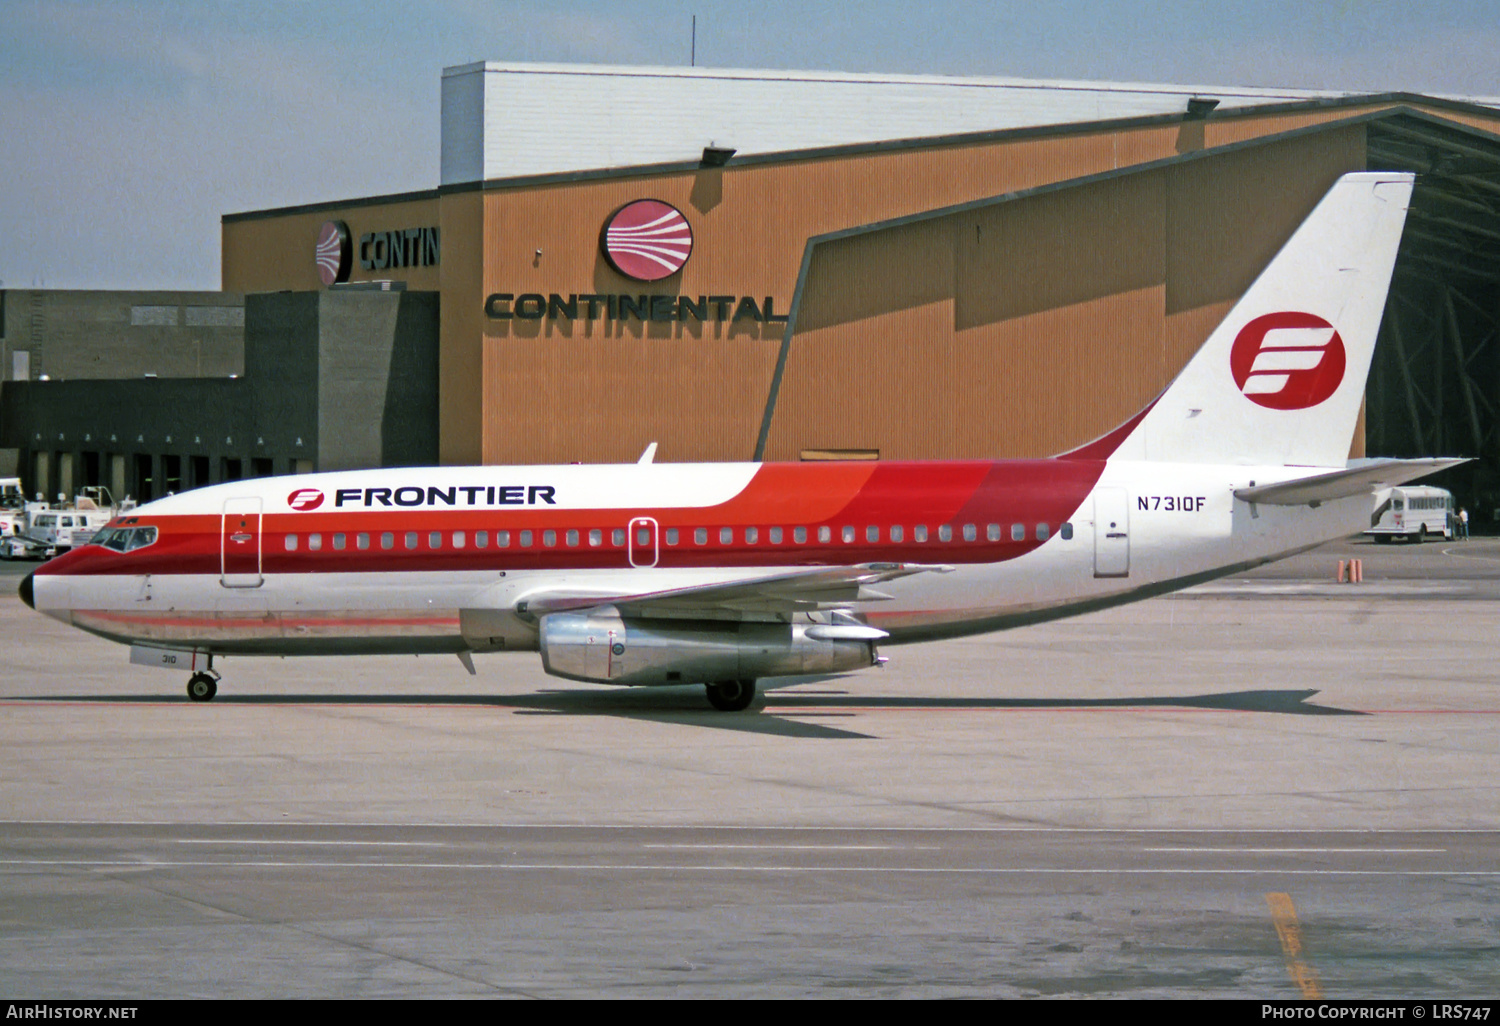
[
  {"x": 731, "y": 695},
  {"x": 202, "y": 687}
]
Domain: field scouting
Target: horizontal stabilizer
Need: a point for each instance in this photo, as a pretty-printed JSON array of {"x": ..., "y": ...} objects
[{"x": 1362, "y": 479}]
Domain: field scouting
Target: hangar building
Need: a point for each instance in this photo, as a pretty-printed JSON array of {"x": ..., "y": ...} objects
[{"x": 748, "y": 264}]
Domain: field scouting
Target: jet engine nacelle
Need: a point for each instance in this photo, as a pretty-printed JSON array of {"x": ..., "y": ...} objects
[{"x": 602, "y": 646}]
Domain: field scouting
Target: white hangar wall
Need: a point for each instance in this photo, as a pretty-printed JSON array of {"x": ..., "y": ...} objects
[{"x": 505, "y": 120}]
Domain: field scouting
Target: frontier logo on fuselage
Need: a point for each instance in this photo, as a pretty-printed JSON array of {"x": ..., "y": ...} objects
[
  {"x": 304, "y": 499},
  {"x": 1288, "y": 361}
]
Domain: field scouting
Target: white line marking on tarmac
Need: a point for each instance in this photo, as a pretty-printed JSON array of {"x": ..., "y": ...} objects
[
  {"x": 668, "y": 868},
  {"x": 1305, "y": 851},
  {"x": 357, "y": 844},
  {"x": 750, "y": 828},
  {"x": 797, "y": 847}
]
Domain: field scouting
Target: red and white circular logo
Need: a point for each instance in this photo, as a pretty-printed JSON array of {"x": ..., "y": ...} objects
[
  {"x": 304, "y": 499},
  {"x": 647, "y": 240},
  {"x": 1287, "y": 361},
  {"x": 334, "y": 254}
]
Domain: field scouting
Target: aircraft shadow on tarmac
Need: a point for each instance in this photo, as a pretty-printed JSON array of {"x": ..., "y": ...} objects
[{"x": 687, "y": 706}]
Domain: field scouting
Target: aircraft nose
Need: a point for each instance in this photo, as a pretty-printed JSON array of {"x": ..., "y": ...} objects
[{"x": 28, "y": 596}]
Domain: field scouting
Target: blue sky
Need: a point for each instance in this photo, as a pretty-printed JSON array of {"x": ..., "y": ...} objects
[{"x": 130, "y": 126}]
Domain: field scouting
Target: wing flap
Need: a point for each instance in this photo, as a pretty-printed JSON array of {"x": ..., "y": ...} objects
[{"x": 773, "y": 594}]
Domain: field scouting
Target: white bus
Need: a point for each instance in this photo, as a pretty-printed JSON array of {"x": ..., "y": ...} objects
[{"x": 1413, "y": 512}]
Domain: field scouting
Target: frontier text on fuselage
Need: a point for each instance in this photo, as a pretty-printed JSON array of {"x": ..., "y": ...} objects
[{"x": 453, "y": 495}]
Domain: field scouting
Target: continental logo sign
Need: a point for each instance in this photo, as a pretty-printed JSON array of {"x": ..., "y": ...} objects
[
  {"x": 400, "y": 247},
  {"x": 647, "y": 240},
  {"x": 533, "y": 306}
]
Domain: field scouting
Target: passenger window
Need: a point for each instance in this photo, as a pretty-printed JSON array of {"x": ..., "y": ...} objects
[
  {"x": 571, "y": 538},
  {"x": 898, "y": 533},
  {"x": 434, "y": 539},
  {"x": 596, "y": 537},
  {"x": 945, "y": 533},
  {"x": 872, "y": 534},
  {"x": 919, "y": 533},
  {"x": 1067, "y": 531},
  {"x": 775, "y": 536},
  {"x": 291, "y": 543},
  {"x": 549, "y": 538},
  {"x": 671, "y": 536},
  {"x": 314, "y": 542},
  {"x": 825, "y": 534},
  {"x": 411, "y": 539},
  {"x": 643, "y": 536},
  {"x": 481, "y": 539},
  {"x": 970, "y": 532},
  {"x": 700, "y": 536},
  {"x": 1017, "y": 532},
  {"x": 362, "y": 540},
  {"x": 726, "y": 536},
  {"x": 752, "y": 535},
  {"x": 502, "y": 539},
  {"x": 458, "y": 539},
  {"x": 617, "y": 537},
  {"x": 992, "y": 532},
  {"x": 1042, "y": 530},
  {"x": 525, "y": 539},
  {"x": 387, "y": 540},
  {"x": 847, "y": 534},
  {"x": 799, "y": 535},
  {"x": 338, "y": 542}
]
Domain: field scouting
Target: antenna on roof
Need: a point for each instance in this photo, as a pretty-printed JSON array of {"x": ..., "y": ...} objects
[{"x": 693, "y": 51}]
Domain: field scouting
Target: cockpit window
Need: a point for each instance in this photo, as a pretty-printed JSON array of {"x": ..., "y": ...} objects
[
  {"x": 140, "y": 537},
  {"x": 125, "y": 539},
  {"x": 111, "y": 538}
]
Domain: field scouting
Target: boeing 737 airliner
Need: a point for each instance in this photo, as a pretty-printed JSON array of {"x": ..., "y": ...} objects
[{"x": 719, "y": 574}]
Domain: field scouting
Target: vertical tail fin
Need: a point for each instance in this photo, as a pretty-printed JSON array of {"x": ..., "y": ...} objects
[{"x": 1281, "y": 379}]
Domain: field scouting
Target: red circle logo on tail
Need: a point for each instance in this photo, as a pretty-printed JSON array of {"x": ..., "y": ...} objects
[
  {"x": 647, "y": 240},
  {"x": 1288, "y": 361},
  {"x": 304, "y": 499}
]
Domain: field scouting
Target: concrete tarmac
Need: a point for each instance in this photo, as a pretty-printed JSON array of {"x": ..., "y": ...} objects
[{"x": 1269, "y": 787}]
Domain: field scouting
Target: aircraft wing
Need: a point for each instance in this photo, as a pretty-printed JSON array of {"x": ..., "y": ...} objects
[
  {"x": 1364, "y": 477},
  {"x": 781, "y": 593}
]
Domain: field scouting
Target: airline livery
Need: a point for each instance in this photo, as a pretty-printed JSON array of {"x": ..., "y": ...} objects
[{"x": 719, "y": 574}]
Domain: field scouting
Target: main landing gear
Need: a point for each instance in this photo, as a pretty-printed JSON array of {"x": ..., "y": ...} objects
[
  {"x": 731, "y": 695},
  {"x": 203, "y": 686}
]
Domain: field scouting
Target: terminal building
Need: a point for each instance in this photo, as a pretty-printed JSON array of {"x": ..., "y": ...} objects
[{"x": 770, "y": 265}]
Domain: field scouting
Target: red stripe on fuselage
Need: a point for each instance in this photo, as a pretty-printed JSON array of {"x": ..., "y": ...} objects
[{"x": 860, "y": 496}]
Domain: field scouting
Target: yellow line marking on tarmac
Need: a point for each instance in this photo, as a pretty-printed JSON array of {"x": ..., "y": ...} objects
[{"x": 1284, "y": 915}]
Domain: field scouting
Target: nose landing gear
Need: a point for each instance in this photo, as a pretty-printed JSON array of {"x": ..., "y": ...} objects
[{"x": 203, "y": 686}]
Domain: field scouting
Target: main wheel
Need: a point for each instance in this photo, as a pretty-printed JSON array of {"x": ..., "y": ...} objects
[
  {"x": 202, "y": 688},
  {"x": 731, "y": 695}
]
